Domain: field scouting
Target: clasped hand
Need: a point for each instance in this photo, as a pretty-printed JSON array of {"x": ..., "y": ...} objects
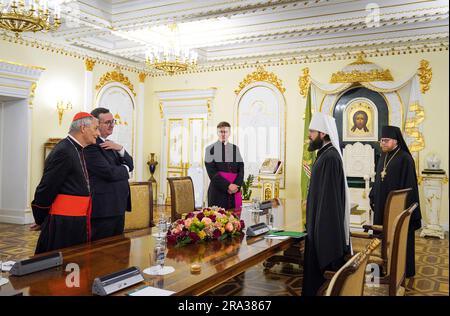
[{"x": 233, "y": 188}]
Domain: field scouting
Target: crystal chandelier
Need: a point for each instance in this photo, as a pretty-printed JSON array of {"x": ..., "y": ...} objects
[
  {"x": 29, "y": 15},
  {"x": 171, "y": 58}
]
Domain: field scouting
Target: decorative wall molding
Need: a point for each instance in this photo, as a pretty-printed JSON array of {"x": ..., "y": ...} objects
[
  {"x": 304, "y": 81},
  {"x": 115, "y": 76},
  {"x": 425, "y": 75},
  {"x": 260, "y": 74},
  {"x": 19, "y": 80},
  {"x": 89, "y": 63},
  {"x": 196, "y": 100}
]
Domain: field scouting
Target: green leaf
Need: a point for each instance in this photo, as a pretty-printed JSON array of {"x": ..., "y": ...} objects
[
  {"x": 223, "y": 237},
  {"x": 183, "y": 242}
]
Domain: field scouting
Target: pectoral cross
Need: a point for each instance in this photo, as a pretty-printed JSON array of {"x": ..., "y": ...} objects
[{"x": 383, "y": 174}]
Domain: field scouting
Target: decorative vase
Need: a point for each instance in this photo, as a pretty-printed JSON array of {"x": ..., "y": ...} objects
[{"x": 152, "y": 163}]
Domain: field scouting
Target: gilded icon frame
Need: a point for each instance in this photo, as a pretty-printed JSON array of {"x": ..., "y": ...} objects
[{"x": 360, "y": 120}]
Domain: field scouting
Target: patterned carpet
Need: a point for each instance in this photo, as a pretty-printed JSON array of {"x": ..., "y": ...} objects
[{"x": 432, "y": 265}]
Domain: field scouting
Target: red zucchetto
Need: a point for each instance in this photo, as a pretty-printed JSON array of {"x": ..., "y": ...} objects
[{"x": 81, "y": 115}]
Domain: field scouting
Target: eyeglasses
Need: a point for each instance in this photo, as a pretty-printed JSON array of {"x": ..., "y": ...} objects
[
  {"x": 385, "y": 140},
  {"x": 110, "y": 122}
]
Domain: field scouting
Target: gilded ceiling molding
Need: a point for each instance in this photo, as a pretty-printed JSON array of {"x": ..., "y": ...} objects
[
  {"x": 425, "y": 75},
  {"x": 142, "y": 77},
  {"x": 139, "y": 22},
  {"x": 53, "y": 48},
  {"x": 310, "y": 58},
  {"x": 89, "y": 63},
  {"x": 115, "y": 76},
  {"x": 304, "y": 81},
  {"x": 261, "y": 75}
]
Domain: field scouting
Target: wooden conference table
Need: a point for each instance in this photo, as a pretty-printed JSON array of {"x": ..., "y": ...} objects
[{"x": 219, "y": 260}]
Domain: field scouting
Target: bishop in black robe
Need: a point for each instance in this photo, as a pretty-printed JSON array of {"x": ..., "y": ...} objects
[
  {"x": 222, "y": 161},
  {"x": 325, "y": 245},
  {"x": 400, "y": 173}
]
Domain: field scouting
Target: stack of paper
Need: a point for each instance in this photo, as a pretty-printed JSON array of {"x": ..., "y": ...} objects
[{"x": 151, "y": 291}]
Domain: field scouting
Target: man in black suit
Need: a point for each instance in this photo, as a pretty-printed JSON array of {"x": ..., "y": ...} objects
[{"x": 109, "y": 165}]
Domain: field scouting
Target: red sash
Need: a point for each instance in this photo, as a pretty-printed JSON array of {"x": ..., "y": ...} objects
[{"x": 73, "y": 205}]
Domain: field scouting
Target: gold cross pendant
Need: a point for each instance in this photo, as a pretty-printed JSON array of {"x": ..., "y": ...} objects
[{"x": 383, "y": 174}]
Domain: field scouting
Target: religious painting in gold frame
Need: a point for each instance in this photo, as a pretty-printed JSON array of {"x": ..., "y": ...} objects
[{"x": 360, "y": 121}]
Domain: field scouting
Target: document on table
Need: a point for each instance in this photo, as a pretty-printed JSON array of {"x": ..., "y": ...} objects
[
  {"x": 276, "y": 237},
  {"x": 151, "y": 291},
  {"x": 6, "y": 266}
]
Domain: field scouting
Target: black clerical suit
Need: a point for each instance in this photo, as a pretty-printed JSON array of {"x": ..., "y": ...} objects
[
  {"x": 400, "y": 174},
  {"x": 223, "y": 158},
  {"x": 325, "y": 246},
  {"x": 110, "y": 189},
  {"x": 65, "y": 175}
]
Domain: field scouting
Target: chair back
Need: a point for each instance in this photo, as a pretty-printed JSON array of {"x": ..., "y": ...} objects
[
  {"x": 181, "y": 196},
  {"x": 395, "y": 205},
  {"x": 141, "y": 215},
  {"x": 398, "y": 250},
  {"x": 349, "y": 279}
]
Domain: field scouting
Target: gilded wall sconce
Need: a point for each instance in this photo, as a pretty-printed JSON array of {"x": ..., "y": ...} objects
[{"x": 61, "y": 107}]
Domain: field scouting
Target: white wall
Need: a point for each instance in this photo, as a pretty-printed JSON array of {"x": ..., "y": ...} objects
[{"x": 14, "y": 202}]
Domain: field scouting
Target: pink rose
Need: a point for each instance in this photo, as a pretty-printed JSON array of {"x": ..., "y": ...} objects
[
  {"x": 229, "y": 227},
  {"x": 206, "y": 221},
  {"x": 237, "y": 225},
  {"x": 188, "y": 222},
  {"x": 176, "y": 231}
]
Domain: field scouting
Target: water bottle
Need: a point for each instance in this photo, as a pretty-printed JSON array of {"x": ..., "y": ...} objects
[
  {"x": 162, "y": 227},
  {"x": 159, "y": 255}
]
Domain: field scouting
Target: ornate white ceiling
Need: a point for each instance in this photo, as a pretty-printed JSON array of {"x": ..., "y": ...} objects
[{"x": 239, "y": 31}]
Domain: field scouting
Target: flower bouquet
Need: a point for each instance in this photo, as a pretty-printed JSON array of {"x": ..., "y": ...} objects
[{"x": 208, "y": 224}]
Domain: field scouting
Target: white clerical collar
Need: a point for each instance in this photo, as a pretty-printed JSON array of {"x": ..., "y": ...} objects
[{"x": 75, "y": 140}]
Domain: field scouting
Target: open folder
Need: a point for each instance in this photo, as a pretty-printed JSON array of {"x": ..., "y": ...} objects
[{"x": 285, "y": 233}]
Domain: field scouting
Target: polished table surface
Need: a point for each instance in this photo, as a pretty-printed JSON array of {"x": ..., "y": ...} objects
[{"x": 219, "y": 260}]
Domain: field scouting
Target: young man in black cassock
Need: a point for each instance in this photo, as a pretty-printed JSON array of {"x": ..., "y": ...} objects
[
  {"x": 62, "y": 201},
  {"x": 225, "y": 169},
  {"x": 395, "y": 171},
  {"x": 109, "y": 165},
  {"x": 327, "y": 206}
]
